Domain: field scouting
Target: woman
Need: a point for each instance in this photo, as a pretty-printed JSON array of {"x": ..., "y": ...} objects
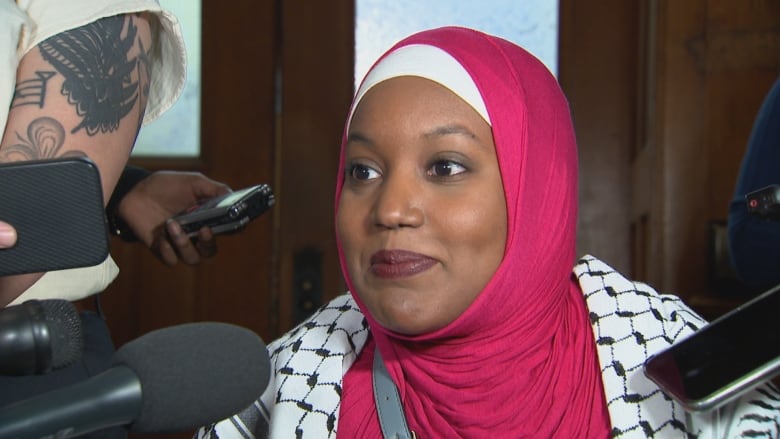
[{"x": 456, "y": 216}]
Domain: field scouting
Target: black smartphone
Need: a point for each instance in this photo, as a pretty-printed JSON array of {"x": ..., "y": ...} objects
[
  {"x": 57, "y": 209},
  {"x": 764, "y": 202},
  {"x": 227, "y": 213},
  {"x": 723, "y": 360}
]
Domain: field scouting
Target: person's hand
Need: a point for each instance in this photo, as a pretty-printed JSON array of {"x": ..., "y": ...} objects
[
  {"x": 7, "y": 235},
  {"x": 148, "y": 207}
]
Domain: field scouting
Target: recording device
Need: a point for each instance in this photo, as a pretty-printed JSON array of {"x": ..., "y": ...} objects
[
  {"x": 56, "y": 207},
  {"x": 723, "y": 360},
  {"x": 764, "y": 202},
  {"x": 228, "y": 213},
  {"x": 169, "y": 380},
  {"x": 39, "y": 336}
]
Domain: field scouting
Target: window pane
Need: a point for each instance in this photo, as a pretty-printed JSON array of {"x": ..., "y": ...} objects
[
  {"x": 177, "y": 132},
  {"x": 532, "y": 24}
]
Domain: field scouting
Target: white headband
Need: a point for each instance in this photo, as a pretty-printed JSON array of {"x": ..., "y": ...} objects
[{"x": 426, "y": 62}]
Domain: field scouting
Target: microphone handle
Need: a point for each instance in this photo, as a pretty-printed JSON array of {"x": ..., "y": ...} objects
[{"x": 111, "y": 398}]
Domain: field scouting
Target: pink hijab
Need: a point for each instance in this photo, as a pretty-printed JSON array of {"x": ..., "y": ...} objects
[{"x": 521, "y": 360}]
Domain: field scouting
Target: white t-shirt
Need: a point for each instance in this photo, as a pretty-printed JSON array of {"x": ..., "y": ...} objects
[{"x": 24, "y": 24}]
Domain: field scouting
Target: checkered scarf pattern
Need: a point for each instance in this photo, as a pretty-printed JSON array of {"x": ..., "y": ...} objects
[{"x": 630, "y": 322}]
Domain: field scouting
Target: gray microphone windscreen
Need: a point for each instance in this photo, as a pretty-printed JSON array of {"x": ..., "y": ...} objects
[{"x": 195, "y": 374}]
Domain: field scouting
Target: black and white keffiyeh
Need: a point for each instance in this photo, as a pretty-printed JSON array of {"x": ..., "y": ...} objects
[
  {"x": 630, "y": 322},
  {"x": 308, "y": 364}
]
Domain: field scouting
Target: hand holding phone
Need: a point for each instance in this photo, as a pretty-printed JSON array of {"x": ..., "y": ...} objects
[{"x": 227, "y": 213}]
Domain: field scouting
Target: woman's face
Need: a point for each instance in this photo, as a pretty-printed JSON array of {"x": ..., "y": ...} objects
[{"x": 422, "y": 215}]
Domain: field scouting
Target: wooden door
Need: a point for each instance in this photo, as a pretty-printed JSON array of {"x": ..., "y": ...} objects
[
  {"x": 663, "y": 96},
  {"x": 277, "y": 81}
]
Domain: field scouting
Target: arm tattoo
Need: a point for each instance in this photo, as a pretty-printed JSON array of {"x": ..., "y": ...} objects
[
  {"x": 99, "y": 74},
  {"x": 144, "y": 76},
  {"x": 32, "y": 91},
  {"x": 45, "y": 137}
]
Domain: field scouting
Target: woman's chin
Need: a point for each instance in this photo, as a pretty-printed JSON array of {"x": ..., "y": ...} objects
[{"x": 407, "y": 323}]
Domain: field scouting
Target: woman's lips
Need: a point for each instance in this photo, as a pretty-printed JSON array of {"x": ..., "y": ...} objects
[{"x": 392, "y": 264}]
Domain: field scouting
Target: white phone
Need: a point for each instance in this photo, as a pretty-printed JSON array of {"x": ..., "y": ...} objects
[{"x": 723, "y": 360}]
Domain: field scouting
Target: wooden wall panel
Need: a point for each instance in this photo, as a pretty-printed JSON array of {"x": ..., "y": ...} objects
[
  {"x": 682, "y": 154},
  {"x": 317, "y": 59},
  {"x": 237, "y": 140},
  {"x": 718, "y": 62},
  {"x": 701, "y": 69},
  {"x": 598, "y": 76}
]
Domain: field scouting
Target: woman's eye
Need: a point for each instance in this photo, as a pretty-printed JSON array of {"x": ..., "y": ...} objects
[
  {"x": 446, "y": 168},
  {"x": 362, "y": 172}
]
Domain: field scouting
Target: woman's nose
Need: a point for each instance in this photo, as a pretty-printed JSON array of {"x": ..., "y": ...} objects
[{"x": 398, "y": 203}]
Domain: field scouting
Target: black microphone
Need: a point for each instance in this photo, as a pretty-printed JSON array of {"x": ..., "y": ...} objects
[
  {"x": 169, "y": 380},
  {"x": 39, "y": 336}
]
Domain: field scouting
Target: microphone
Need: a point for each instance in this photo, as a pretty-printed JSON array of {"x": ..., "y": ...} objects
[
  {"x": 169, "y": 380},
  {"x": 39, "y": 336}
]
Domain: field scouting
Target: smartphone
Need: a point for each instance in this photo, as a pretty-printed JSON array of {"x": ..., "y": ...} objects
[
  {"x": 57, "y": 209},
  {"x": 723, "y": 360},
  {"x": 764, "y": 202},
  {"x": 228, "y": 213}
]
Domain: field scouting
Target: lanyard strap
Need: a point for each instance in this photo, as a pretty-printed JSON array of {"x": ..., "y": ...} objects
[{"x": 388, "y": 404}]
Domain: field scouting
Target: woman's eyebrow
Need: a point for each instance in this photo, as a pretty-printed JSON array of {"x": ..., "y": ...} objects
[
  {"x": 454, "y": 129},
  {"x": 440, "y": 131},
  {"x": 358, "y": 137}
]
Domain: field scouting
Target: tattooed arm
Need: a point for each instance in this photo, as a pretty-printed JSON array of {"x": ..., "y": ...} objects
[{"x": 80, "y": 92}]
